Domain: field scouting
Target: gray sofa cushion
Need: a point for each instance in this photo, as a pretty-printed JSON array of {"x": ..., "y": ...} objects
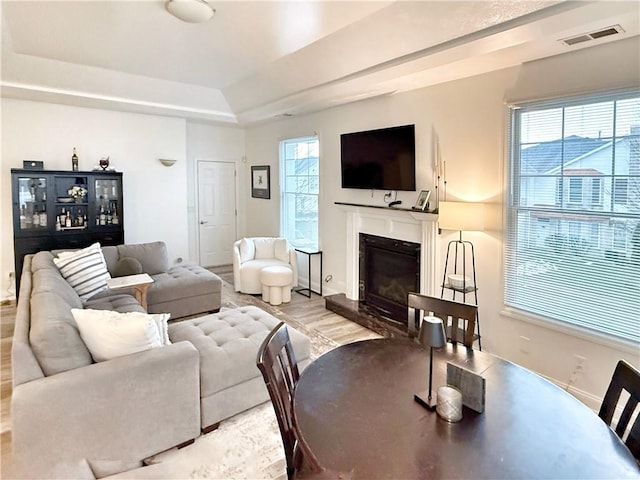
[
  {"x": 119, "y": 302},
  {"x": 111, "y": 256},
  {"x": 54, "y": 336},
  {"x": 50, "y": 280},
  {"x": 153, "y": 256},
  {"x": 182, "y": 282}
]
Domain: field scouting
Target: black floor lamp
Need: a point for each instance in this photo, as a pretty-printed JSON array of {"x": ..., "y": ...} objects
[{"x": 461, "y": 258}]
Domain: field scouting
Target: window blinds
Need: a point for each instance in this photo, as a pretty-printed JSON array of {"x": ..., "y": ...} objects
[{"x": 572, "y": 246}]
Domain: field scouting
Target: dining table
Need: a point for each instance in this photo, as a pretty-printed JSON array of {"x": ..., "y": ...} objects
[{"x": 354, "y": 410}]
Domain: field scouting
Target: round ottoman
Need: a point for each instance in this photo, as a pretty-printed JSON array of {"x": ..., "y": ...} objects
[{"x": 276, "y": 282}]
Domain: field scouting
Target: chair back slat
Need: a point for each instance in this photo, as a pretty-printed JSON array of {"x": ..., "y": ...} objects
[
  {"x": 277, "y": 363},
  {"x": 625, "y": 378},
  {"x": 459, "y": 318}
]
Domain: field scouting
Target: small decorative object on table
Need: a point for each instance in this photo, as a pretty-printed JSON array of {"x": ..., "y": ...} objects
[
  {"x": 422, "y": 203},
  {"x": 77, "y": 192},
  {"x": 74, "y": 160},
  {"x": 104, "y": 163},
  {"x": 449, "y": 404}
]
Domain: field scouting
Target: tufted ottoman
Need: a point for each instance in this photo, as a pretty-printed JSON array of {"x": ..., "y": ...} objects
[
  {"x": 228, "y": 343},
  {"x": 277, "y": 282}
]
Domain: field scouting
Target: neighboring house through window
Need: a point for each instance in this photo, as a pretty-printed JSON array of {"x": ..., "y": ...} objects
[
  {"x": 300, "y": 188},
  {"x": 572, "y": 243}
]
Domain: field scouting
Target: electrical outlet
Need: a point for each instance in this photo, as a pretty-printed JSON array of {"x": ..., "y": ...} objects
[
  {"x": 524, "y": 344},
  {"x": 580, "y": 361},
  {"x": 11, "y": 275}
]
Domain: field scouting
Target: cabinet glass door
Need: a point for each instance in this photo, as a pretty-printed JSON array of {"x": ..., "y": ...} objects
[
  {"x": 107, "y": 206},
  {"x": 32, "y": 203}
]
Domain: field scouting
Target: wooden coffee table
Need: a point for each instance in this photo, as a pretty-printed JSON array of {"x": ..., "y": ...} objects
[{"x": 140, "y": 283}]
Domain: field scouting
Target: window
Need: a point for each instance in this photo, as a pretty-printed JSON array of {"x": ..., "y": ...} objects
[
  {"x": 576, "y": 164},
  {"x": 575, "y": 190},
  {"x": 596, "y": 192},
  {"x": 300, "y": 170},
  {"x": 620, "y": 191}
]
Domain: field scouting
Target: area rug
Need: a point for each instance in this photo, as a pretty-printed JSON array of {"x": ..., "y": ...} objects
[{"x": 245, "y": 447}]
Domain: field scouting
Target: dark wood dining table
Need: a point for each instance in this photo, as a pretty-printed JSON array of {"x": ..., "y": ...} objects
[{"x": 355, "y": 411}]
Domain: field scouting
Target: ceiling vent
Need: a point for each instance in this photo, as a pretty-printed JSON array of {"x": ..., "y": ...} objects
[{"x": 586, "y": 37}]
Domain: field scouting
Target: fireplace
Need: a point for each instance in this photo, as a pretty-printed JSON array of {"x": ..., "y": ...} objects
[{"x": 389, "y": 270}]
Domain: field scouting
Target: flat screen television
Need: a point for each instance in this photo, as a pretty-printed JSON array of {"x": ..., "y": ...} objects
[{"x": 383, "y": 159}]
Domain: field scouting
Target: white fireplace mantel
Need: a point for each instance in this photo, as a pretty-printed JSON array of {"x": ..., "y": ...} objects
[{"x": 402, "y": 224}]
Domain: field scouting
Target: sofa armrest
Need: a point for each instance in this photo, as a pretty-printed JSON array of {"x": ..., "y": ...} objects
[
  {"x": 123, "y": 409},
  {"x": 293, "y": 261},
  {"x": 236, "y": 265}
]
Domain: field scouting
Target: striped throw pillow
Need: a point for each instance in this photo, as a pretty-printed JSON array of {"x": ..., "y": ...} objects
[{"x": 85, "y": 270}]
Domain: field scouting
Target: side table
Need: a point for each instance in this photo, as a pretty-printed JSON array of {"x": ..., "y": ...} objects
[
  {"x": 309, "y": 253},
  {"x": 140, "y": 283}
]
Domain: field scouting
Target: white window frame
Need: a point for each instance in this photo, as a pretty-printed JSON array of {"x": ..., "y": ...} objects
[
  {"x": 289, "y": 197},
  {"x": 519, "y": 217}
]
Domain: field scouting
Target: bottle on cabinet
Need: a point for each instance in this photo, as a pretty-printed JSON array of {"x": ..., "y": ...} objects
[
  {"x": 36, "y": 217},
  {"x": 43, "y": 217},
  {"x": 62, "y": 217},
  {"x": 67, "y": 220},
  {"x": 74, "y": 160},
  {"x": 23, "y": 216}
]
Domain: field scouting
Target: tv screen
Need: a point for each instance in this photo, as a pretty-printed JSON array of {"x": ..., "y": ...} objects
[{"x": 382, "y": 159}]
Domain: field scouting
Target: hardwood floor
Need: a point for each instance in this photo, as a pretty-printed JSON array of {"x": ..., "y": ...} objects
[{"x": 309, "y": 311}]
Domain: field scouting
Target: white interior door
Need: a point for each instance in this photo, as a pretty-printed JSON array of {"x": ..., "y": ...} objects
[{"x": 216, "y": 212}]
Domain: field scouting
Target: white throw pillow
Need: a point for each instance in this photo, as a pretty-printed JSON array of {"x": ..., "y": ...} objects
[
  {"x": 247, "y": 250},
  {"x": 85, "y": 270},
  {"x": 264, "y": 247},
  {"x": 281, "y": 249},
  {"x": 108, "y": 334}
]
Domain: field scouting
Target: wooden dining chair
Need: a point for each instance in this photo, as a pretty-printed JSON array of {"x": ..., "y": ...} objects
[
  {"x": 627, "y": 378},
  {"x": 277, "y": 363},
  {"x": 459, "y": 318}
]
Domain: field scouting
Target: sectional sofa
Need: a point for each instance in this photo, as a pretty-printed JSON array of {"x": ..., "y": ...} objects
[{"x": 75, "y": 415}]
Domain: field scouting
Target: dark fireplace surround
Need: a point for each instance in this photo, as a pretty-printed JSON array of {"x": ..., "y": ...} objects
[{"x": 389, "y": 270}]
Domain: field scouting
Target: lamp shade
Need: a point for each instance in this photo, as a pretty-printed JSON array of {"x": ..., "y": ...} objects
[
  {"x": 432, "y": 332},
  {"x": 462, "y": 216},
  {"x": 192, "y": 11}
]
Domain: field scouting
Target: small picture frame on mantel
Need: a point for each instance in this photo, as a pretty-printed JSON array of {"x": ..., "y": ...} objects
[
  {"x": 260, "y": 182},
  {"x": 422, "y": 203}
]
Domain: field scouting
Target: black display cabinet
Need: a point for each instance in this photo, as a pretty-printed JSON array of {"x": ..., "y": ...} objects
[{"x": 60, "y": 210}]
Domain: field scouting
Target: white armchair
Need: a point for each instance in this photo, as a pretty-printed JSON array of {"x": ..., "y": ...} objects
[{"x": 252, "y": 254}]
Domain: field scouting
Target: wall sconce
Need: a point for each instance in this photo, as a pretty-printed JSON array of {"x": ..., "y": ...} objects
[{"x": 167, "y": 162}]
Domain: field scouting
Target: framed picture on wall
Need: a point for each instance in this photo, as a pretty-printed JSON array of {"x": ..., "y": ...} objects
[
  {"x": 260, "y": 182},
  {"x": 422, "y": 203}
]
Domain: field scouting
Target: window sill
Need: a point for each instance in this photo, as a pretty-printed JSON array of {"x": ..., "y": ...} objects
[{"x": 571, "y": 330}]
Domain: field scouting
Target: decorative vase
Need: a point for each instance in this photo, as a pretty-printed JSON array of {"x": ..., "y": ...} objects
[{"x": 78, "y": 199}]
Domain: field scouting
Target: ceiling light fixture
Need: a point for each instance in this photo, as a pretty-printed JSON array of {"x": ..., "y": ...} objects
[{"x": 192, "y": 11}]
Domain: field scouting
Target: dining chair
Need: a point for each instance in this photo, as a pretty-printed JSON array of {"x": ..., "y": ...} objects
[
  {"x": 451, "y": 313},
  {"x": 277, "y": 363},
  {"x": 625, "y": 377}
]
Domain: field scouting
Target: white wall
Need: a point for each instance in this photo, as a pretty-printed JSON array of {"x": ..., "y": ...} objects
[
  {"x": 469, "y": 119},
  {"x": 221, "y": 144},
  {"x": 155, "y": 197}
]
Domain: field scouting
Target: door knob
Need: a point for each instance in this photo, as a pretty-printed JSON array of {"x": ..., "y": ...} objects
[{"x": 202, "y": 222}]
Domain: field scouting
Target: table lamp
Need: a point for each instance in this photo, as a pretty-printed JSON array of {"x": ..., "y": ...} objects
[{"x": 431, "y": 335}]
